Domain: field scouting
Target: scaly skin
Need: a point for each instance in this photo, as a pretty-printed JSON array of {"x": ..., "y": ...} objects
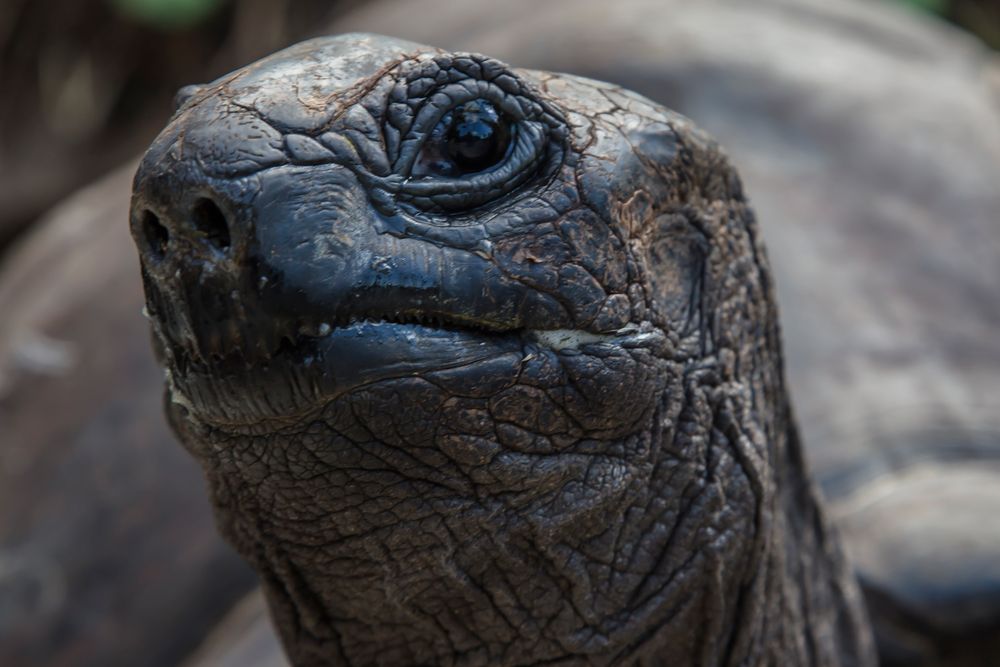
[{"x": 531, "y": 414}]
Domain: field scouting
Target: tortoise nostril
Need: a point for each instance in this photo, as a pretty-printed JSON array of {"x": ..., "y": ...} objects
[
  {"x": 211, "y": 221},
  {"x": 155, "y": 234}
]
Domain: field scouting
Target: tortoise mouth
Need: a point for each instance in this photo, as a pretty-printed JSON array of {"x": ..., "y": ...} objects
[
  {"x": 319, "y": 362},
  {"x": 323, "y": 361},
  {"x": 229, "y": 347}
]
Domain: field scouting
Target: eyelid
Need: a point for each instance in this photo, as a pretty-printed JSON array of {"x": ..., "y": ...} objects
[
  {"x": 424, "y": 92},
  {"x": 471, "y": 191}
]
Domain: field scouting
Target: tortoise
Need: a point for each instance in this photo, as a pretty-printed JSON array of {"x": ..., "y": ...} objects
[
  {"x": 483, "y": 366},
  {"x": 871, "y": 156}
]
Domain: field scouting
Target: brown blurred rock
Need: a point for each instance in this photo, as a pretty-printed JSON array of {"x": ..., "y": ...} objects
[
  {"x": 244, "y": 638},
  {"x": 108, "y": 554},
  {"x": 925, "y": 540}
]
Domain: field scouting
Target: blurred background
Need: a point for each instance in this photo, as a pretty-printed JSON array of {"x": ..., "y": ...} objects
[
  {"x": 869, "y": 137},
  {"x": 87, "y": 83}
]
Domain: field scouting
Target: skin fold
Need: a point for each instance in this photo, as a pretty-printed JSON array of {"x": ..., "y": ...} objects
[{"x": 531, "y": 412}]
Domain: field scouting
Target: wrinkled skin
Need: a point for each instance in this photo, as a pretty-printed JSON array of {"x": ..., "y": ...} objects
[{"x": 531, "y": 413}]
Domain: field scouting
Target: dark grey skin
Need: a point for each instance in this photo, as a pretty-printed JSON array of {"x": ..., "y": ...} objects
[{"x": 526, "y": 412}]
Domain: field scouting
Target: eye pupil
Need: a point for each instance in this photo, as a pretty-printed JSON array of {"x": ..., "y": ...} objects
[
  {"x": 468, "y": 139},
  {"x": 477, "y": 137}
]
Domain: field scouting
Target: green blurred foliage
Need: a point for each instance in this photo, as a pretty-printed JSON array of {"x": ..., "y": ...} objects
[
  {"x": 936, "y": 6},
  {"x": 168, "y": 14}
]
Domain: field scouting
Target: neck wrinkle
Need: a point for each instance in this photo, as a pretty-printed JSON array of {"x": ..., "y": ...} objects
[{"x": 820, "y": 596}]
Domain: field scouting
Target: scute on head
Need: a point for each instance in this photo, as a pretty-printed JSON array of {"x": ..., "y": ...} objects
[{"x": 298, "y": 87}]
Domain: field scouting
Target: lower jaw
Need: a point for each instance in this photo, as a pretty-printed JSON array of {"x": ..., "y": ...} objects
[{"x": 321, "y": 368}]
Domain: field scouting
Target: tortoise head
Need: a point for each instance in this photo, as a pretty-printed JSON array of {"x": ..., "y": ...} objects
[{"x": 482, "y": 365}]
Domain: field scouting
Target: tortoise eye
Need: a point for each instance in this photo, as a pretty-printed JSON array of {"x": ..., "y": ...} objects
[
  {"x": 478, "y": 136},
  {"x": 468, "y": 139}
]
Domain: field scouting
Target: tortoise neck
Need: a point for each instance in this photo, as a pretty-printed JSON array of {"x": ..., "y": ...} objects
[
  {"x": 814, "y": 603},
  {"x": 779, "y": 593}
]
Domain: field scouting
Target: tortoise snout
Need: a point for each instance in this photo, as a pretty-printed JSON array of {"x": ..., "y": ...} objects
[{"x": 192, "y": 237}]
